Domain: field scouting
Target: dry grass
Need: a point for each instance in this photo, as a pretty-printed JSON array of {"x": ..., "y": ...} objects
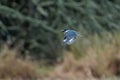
[
  {"x": 91, "y": 58},
  {"x": 101, "y": 59},
  {"x": 15, "y": 68}
]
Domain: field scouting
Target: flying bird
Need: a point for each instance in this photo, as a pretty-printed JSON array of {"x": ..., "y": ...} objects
[{"x": 70, "y": 36}]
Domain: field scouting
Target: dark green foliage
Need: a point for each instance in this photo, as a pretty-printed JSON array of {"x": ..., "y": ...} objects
[{"x": 37, "y": 23}]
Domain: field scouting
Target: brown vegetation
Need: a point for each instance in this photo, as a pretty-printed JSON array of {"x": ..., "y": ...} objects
[
  {"x": 15, "y": 68},
  {"x": 99, "y": 61}
]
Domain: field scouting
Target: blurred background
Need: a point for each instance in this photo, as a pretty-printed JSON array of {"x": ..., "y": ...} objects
[{"x": 31, "y": 39}]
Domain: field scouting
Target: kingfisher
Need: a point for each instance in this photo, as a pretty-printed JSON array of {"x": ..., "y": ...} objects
[{"x": 70, "y": 36}]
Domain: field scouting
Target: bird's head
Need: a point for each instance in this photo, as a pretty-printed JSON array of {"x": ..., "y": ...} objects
[{"x": 65, "y": 30}]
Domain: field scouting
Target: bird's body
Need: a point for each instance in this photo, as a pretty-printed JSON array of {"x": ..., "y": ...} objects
[{"x": 70, "y": 36}]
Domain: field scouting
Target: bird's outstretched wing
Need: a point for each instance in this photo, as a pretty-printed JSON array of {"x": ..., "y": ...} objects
[
  {"x": 69, "y": 40},
  {"x": 70, "y": 37}
]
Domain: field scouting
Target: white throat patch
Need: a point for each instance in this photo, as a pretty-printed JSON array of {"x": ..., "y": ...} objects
[{"x": 66, "y": 31}]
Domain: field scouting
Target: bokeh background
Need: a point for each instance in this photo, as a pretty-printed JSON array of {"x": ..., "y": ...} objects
[{"x": 31, "y": 39}]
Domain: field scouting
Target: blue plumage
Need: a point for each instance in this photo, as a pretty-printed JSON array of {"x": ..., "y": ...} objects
[{"x": 70, "y": 36}]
